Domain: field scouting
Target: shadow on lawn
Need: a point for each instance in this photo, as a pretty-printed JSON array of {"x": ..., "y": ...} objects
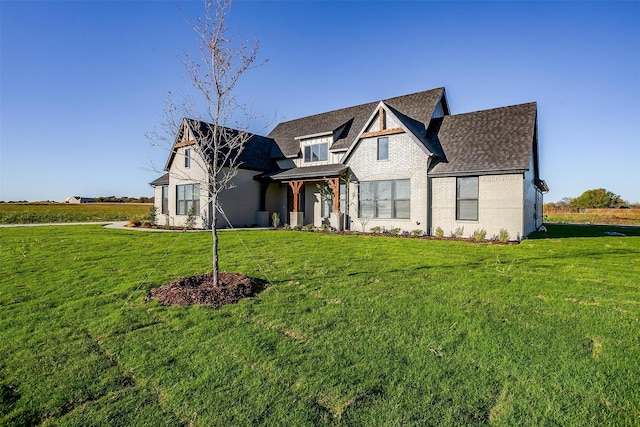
[{"x": 555, "y": 231}]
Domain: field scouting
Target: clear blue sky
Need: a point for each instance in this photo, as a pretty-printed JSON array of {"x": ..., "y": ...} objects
[{"x": 82, "y": 82}]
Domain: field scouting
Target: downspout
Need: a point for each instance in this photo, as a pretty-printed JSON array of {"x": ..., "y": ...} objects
[{"x": 428, "y": 214}]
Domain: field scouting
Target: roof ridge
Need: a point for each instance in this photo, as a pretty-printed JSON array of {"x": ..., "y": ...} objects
[
  {"x": 533, "y": 103},
  {"x": 364, "y": 104}
]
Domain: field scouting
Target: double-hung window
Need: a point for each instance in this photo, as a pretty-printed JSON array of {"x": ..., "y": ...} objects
[
  {"x": 467, "y": 198},
  {"x": 188, "y": 197},
  {"x": 316, "y": 153},
  {"x": 385, "y": 199}
]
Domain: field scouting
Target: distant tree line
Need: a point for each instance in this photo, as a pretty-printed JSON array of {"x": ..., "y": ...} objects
[
  {"x": 107, "y": 199},
  {"x": 114, "y": 199},
  {"x": 598, "y": 198}
]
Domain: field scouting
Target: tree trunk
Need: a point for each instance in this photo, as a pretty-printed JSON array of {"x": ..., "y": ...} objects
[{"x": 214, "y": 235}]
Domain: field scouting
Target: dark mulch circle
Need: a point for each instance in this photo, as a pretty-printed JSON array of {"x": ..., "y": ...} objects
[{"x": 199, "y": 289}]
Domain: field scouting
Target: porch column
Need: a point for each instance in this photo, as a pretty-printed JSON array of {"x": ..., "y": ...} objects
[
  {"x": 334, "y": 183},
  {"x": 296, "y": 218},
  {"x": 335, "y": 218},
  {"x": 295, "y": 187}
]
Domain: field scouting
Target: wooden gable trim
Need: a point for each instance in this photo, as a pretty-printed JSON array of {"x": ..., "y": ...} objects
[
  {"x": 184, "y": 143},
  {"x": 375, "y": 116},
  {"x": 382, "y": 132}
]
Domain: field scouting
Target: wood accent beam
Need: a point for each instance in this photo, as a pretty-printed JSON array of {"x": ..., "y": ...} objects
[
  {"x": 382, "y": 118},
  {"x": 184, "y": 143},
  {"x": 334, "y": 183},
  {"x": 295, "y": 187},
  {"x": 324, "y": 178},
  {"x": 382, "y": 132}
]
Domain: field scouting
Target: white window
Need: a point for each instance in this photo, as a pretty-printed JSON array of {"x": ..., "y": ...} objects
[{"x": 467, "y": 198}]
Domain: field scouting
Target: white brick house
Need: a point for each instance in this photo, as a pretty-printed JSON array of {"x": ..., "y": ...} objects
[{"x": 404, "y": 162}]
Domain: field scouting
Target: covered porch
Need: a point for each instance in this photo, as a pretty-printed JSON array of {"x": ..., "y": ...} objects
[{"x": 316, "y": 195}]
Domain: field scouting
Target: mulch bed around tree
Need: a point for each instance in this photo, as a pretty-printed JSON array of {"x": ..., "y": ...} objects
[{"x": 199, "y": 289}]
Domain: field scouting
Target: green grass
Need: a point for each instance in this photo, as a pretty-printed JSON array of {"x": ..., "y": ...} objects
[
  {"x": 617, "y": 216},
  {"x": 42, "y": 213},
  {"x": 555, "y": 231},
  {"x": 355, "y": 330}
]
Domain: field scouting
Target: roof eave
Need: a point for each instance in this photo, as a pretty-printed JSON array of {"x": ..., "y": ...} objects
[{"x": 476, "y": 172}]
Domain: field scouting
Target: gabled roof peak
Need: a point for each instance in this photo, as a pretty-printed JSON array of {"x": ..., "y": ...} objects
[{"x": 419, "y": 106}]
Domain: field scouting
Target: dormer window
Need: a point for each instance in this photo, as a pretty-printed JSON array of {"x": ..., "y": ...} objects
[{"x": 316, "y": 153}]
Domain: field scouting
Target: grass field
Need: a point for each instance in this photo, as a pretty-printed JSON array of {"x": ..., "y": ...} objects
[
  {"x": 354, "y": 330},
  {"x": 614, "y": 216},
  {"x": 42, "y": 213}
]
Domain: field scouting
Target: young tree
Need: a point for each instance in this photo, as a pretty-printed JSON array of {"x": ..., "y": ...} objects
[{"x": 214, "y": 73}]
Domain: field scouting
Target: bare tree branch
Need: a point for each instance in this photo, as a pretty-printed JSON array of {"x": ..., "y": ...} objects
[{"x": 213, "y": 74}]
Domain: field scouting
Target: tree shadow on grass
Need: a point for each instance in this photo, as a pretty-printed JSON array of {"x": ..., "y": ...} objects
[{"x": 558, "y": 231}]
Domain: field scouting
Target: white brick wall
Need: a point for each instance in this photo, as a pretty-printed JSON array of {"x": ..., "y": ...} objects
[
  {"x": 533, "y": 202},
  {"x": 500, "y": 199},
  {"x": 406, "y": 160}
]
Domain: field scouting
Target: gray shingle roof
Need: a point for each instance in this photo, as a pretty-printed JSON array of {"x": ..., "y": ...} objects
[
  {"x": 489, "y": 141},
  {"x": 421, "y": 131},
  {"x": 419, "y": 106},
  {"x": 257, "y": 153},
  {"x": 482, "y": 142},
  {"x": 163, "y": 180},
  {"x": 310, "y": 172}
]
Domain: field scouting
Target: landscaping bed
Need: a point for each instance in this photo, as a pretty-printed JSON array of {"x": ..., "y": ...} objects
[{"x": 199, "y": 289}]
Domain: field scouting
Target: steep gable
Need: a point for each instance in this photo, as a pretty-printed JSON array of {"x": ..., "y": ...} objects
[
  {"x": 387, "y": 121},
  {"x": 484, "y": 142},
  {"x": 256, "y": 155},
  {"x": 347, "y": 123}
]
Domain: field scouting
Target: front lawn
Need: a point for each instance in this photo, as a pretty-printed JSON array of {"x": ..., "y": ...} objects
[{"x": 354, "y": 330}]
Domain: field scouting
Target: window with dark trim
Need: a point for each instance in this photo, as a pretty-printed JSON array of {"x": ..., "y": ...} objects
[
  {"x": 316, "y": 153},
  {"x": 187, "y": 197},
  {"x": 383, "y": 148},
  {"x": 187, "y": 158},
  {"x": 165, "y": 200},
  {"x": 385, "y": 199},
  {"x": 467, "y": 198}
]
